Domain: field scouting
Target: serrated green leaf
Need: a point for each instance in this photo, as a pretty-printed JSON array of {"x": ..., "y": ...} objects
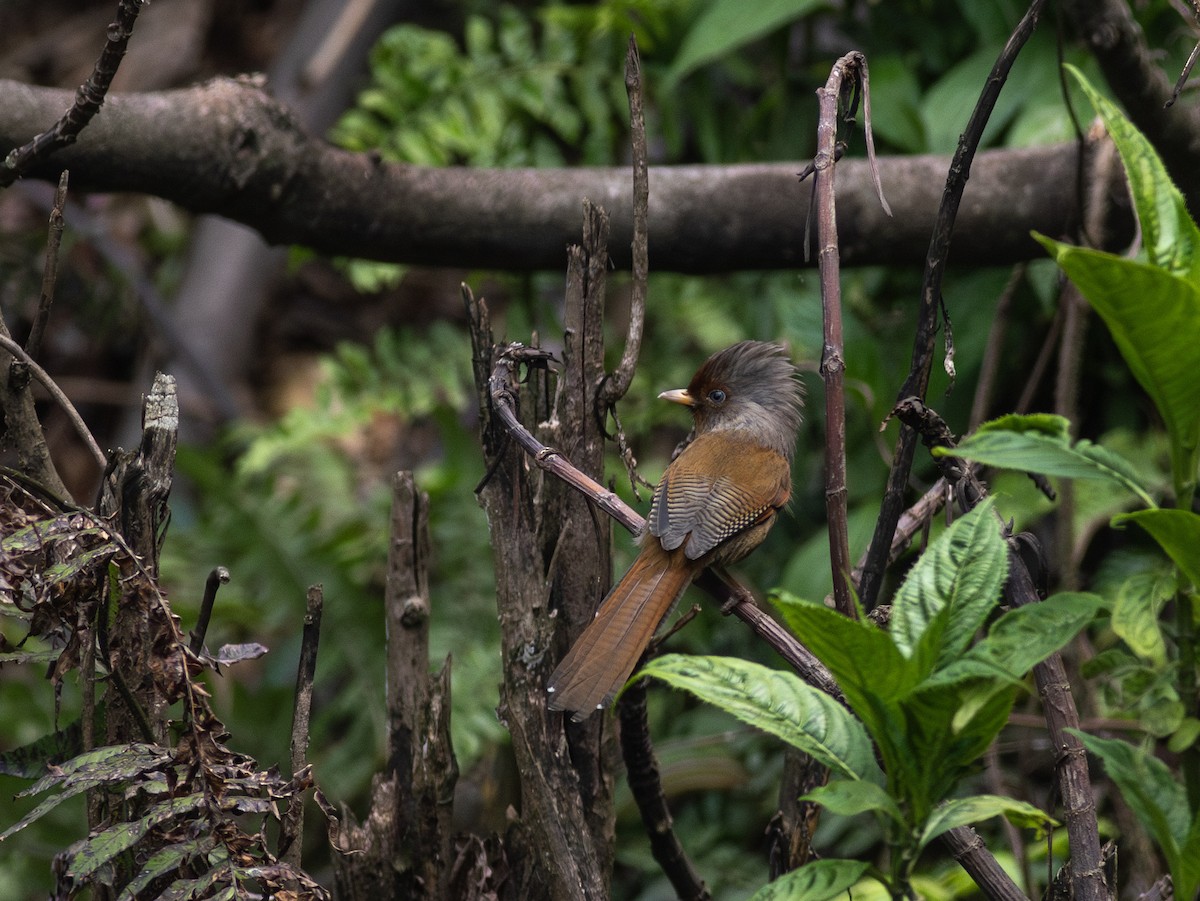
[
  {"x": 776, "y": 702},
  {"x": 863, "y": 659},
  {"x": 956, "y": 581},
  {"x": 963, "y": 811},
  {"x": 943, "y": 733},
  {"x": 109, "y": 763},
  {"x": 1169, "y": 235},
  {"x": 729, "y": 24},
  {"x": 816, "y": 881},
  {"x": 1135, "y": 615},
  {"x": 1023, "y": 637},
  {"x": 1159, "y": 802},
  {"x": 1042, "y": 443},
  {"x": 33, "y": 760},
  {"x": 1154, "y": 318},
  {"x": 80, "y": 564},
  {"x": 1177, "y": 532},
  {"x": 848, "y": 798}
]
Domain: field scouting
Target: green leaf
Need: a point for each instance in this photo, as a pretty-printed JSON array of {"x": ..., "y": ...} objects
[
  {"x": 1177, "y": 532},
  {"x": 816, "y": 881},
  {"x": 166, "y": 860},
  {"x": 895, "y": 103},
  {"x": 944, "y": 732},
  {"x": 1185, "y": 736},
  {"x": 847, "y": 798},
  {"x": 1169, "y": 235},
  {"x": 87, "y": 856},
  {"x": 864, "y": 659},
  {"x": 1041, "y": 443},
  {"x": 1159, "y": 802},
  {"x": 1135, "y": 614},
  {"x": 100, "y": 766},
  {"x": 1154, "y": 318},
  {"x": 728, "y": 24},
  {"x": 962, "y": 811},
  {"x": 948, "y": 103},
  {"x": 776, "y": 702},
  {"x": 1023, "y": 637},
  {"x": 957, "y": 581}
]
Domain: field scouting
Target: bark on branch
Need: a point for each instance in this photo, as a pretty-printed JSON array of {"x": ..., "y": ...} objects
[{"x": 227, "y": 147}]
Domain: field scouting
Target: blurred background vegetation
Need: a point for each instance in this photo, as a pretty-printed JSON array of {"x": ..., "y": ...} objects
[{"x": 364, "y": 368}]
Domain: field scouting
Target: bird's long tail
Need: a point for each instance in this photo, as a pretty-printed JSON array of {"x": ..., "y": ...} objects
[{"x": 603, "y": 658}]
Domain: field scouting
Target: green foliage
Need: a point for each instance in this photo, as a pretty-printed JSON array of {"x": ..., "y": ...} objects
[
  {"x": 727, "y": 25},
  {"x": 184, "y": 824},
  {"x": 1151, "y": 307},
  {"x": 1176, "y": 531},
  {"x": 1041, "y": 442},
  {"x": 517, "y": 93},
  {"x": 820, "y": 880},
  {"x": 1160, "y": 803},
  {"x": 778, "y": 703},
  {"x": 929, "y": 700}
]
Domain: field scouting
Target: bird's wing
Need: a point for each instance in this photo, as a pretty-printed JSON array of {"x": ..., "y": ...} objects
[{"x": 725, "y": 496}]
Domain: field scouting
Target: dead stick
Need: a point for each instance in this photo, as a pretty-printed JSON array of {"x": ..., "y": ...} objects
[
  {"x": 618, "y": 381},
  {"x": 833, "y": 364},
  {"x": 50, "y": 270},
  {"x": 61, "y": 399},
  {"x": 291, "y": 837}
]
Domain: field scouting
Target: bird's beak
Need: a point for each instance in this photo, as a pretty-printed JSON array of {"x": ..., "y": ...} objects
[{"x": 679, "y": 396}]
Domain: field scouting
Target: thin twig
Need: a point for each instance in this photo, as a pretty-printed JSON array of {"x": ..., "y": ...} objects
[
  {"x": 291, "y": 833},
  {"x": 1074, "y": 781},
  {"x": 61, "y": 399},
  {"x": 619, "y": 380},
  {"x": 1041, "y": 362},
  {"x": 1191, "y": 60},
  {"x": 33, "y": 344},
  {"x": 218, "y": 577},
  {"x": 1183, "y": 76},
  {"x": 88, "y": 99},
  {"x": 833, "y": 364},
  {"x": 917, "y": 381}
]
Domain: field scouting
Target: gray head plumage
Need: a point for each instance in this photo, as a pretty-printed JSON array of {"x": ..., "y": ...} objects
[{"x": 752, "y": 386}]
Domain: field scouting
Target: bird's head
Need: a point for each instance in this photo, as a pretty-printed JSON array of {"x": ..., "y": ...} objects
[{"x": 751, "y": 386}]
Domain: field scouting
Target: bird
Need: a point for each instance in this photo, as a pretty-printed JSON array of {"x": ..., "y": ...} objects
[{"x": 714, "y": 505}]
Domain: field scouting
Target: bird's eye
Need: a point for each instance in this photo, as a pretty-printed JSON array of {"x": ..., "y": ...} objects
[{"x": 717, "y": 396}]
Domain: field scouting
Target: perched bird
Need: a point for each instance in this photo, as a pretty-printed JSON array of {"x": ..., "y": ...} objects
[{"x": 715, "y": 504}]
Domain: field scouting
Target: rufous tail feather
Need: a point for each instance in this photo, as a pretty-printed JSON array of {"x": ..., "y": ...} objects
[{"x": 604, "y": 656}]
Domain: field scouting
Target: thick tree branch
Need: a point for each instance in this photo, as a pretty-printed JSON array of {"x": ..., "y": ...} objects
[{"x": 226, "y": 147}]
